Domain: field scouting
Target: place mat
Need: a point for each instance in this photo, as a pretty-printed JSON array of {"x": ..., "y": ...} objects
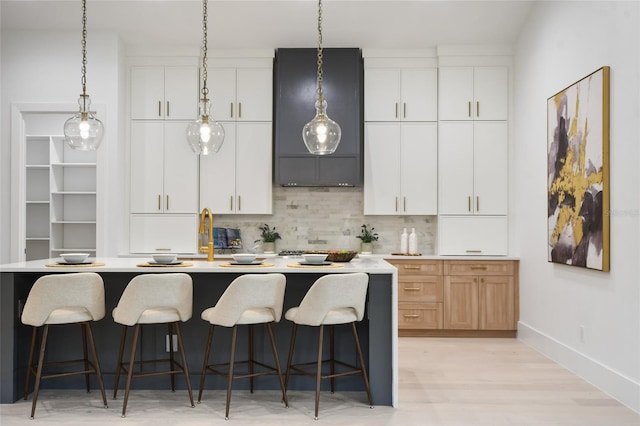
[
  {"x": 297, "y": 265},
  {"x": 248, "y": 265},
  {"x": 74, "y": 265},
  {"x": 162, "y": 265}
]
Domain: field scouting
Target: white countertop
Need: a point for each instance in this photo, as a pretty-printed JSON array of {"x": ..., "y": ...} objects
[{"x": 371, "y": 265}]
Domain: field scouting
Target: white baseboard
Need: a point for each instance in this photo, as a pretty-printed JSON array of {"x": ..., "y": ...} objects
[{"x": 613, "y": 383}]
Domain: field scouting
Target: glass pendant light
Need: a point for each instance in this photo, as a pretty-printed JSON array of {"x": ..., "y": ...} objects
[
  {"x": 321, "y": 135},
  {"x": 205, "y": 135},
  {"x": 84, "y": 131}
]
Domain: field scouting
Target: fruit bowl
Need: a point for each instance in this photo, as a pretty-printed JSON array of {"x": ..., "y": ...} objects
[{"x": 336, "y": 255}]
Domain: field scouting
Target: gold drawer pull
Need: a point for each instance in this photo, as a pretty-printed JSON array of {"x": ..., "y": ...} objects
[
  {"x": 411, "y": 266},
  {"x": 412, "y": 289},
  {"x": 411, "y": 316},
  {"x": 481, "y": 268}
]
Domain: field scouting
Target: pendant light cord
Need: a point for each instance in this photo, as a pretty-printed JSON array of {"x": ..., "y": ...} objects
[
  {"x": 84, "y": 54},
  {"x": 319, "y": 90},
  {"x": 205, "y": 16}
]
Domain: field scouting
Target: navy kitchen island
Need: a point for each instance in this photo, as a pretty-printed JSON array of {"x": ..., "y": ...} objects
[{"x": 378, "y": 330}]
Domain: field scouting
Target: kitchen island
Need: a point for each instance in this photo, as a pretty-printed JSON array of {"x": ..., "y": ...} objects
[{"x": 378, "y": 330}]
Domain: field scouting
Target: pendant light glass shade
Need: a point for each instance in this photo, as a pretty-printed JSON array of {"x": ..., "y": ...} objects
[
  {"x": 205, "y": 135},
  {"x": 321, "y": 135},
  {"x": 84, "y": 131}
]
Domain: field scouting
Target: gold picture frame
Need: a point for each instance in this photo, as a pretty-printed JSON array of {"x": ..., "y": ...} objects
[{"x": 578, "y": 173}]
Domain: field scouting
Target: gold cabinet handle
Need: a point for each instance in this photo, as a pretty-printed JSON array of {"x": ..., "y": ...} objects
[
  {"x": 231, "y": 104},
  {"x": 159, "y": 201},
  {"x": 239, "y": 109},
  {"x": 477, "y": 203},
  {"x": 159, "y": 108},
  {"x": 411, "y": 289},
  {"x": 469, "y": 203},
  {"x": 404, "y": 203},
  {"x": 411, "y": 266},
  {"x": 478, "y": 268},
  {"x": 411, "y": 316},
  {"x": 231, "y": 203},
  {"x": 477, "y": 109},
  {"x": 396, "y": 203},
  {"x": 239, "y": 200},
  {"x": 163, "y": 249},
  {"x": 396, "y": 110},
  {"x": 404, "y": 110},
  {"x": 168, "y": 108},
  {"x": 167, "y": 203},
  {"x": 469, "y": 109}
]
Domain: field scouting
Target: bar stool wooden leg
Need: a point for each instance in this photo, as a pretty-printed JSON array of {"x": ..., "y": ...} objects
[
  {"x": 319, "y": 370},
  {"x": 231, "y": 362},
  {"x": 277, "y": 361},
  {"x": 119, "y": 367},
  {"x": 171, "y": 359},
  {"x": 332, "y": 358},
  {"x": 185, "y": 369},
  {"x": 362, "y": 365},
  {"x": 92, "y": 345},
  {"x": 290, "y": 357},
  {"x": 86, "y": 357},
  {"x": 36, "y": 388},
  {"x": 136, "y": 333},
  {"x": 251, "y": 366},
  {"x": 34, "y": 337},
  {"x": 206, "y": 362}
]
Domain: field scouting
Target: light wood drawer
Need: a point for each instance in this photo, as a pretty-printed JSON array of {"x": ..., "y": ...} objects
[
  {"x": 420, "y": 316},
  {"x": 480, "y": 267},
  {"x": 420, "y": 288},
  {"x": 413, "y": 267}
]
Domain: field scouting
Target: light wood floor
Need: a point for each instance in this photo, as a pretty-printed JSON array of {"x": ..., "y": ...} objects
[{"x": 442, "y": 382}]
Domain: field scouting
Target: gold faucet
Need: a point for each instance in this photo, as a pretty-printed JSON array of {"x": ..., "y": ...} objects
[{"x": 206, "y": 214}]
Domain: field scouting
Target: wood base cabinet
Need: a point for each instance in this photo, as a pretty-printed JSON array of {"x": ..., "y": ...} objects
[{"x": 457, "y": 297}]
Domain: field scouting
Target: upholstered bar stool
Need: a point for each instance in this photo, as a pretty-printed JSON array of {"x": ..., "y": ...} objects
[
  {"x": 154, "y": 299},
  {"x": 250, "y": 299},
  {"x": 76, "y": 298},
  {"x": 333, "y": 299}
]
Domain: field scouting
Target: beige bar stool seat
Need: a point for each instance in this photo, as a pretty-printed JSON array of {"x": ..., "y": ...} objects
[
  {"x": 250, "y": 299},
  {"x": 76, "y": 298},
  {"x": 332, "y": 300},
  {"x": 154, "y": 299}
]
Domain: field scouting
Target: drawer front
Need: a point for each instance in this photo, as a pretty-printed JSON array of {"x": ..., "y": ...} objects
[
  {"x": 481, "y": 267},
  {"x": 420, "y": 288},
  {"x": 413, "y": 267},
  {"x": 420, "y": 316}
]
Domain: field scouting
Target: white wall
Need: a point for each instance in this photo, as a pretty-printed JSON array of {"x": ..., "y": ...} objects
[
  {"x": 561, "y": 43},
  {"x": 44, "y": 67}
]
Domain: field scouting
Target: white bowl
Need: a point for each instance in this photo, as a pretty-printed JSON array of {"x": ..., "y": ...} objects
[
  {"x": 74, "y": 257},
  {"x": 244, "y": 257},
  {"x": 164, "y": 257},
  {"x": 314, "y": 258}
]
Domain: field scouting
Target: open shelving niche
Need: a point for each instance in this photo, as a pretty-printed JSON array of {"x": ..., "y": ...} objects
[{"x": 60, "y": 193}]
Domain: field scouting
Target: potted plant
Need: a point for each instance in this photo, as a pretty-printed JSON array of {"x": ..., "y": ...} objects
[
  {"x": 269, "y": 237},
  {"x": 367, "y": 236}
]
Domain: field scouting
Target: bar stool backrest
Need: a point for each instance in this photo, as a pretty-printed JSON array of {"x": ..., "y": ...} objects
[
  {"x": 155, "y": 291},
  {"x": 250, "y": 291},
  {"x": 70, "y": 291},
  {"x": 332, "y": 292}
]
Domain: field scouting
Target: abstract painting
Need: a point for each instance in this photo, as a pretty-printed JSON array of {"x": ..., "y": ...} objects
[{"x": 578, "y": 173}]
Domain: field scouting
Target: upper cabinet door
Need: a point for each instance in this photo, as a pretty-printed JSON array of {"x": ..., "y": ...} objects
[
  {"x": 455, "y": 168},
  {"x": 180, "y": 171},
  {"x": 419, "y": 168},
  {"x": 382, "y": 168},
  {"x": 217, "y": 175},
  {"x": 382, "y": 94},
  {"x": 254, "y": 94},
  {"x": 180, "y": 93},
  {"x": 253, "y": 172},
  {"x": 419, "y": 94},
  {"x": 490, "y": 86},
  {"x": 491, "y": 175},
  {"x": 455, "y": 93},
  {"x": 222, "y": 92},
  {"x": 147, "y": 153},
  {"x": 147, "y": 92}
]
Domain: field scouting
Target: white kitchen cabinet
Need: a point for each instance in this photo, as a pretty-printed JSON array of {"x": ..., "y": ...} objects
[
  {"x": 60, "y": 198},
  {"x": 473, "y": 168},
  {"x": 152, "y": 233},
  {"x": 473, "y": 235},
  {"x": 165, "y": 93},
  {"x": 238, "y": 178},
  {"x": 400, "y": 169},
  {"x": 241, "y": 94},
  {"x": 400, "y": 94},
  {"x": 164, "y": 169},
  {"x": 473, "y": 93}
]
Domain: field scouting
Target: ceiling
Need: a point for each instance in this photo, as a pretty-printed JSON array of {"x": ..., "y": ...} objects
[{"x": 257, "y": 24}]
